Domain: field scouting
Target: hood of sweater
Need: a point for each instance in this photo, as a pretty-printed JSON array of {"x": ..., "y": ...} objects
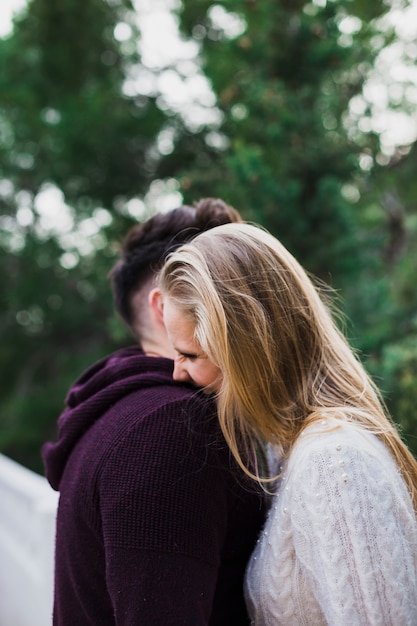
[{"x": 95, "y": 392}]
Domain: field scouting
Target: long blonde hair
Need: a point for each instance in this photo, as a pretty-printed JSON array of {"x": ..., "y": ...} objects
[{"x": 261, "y": 319}]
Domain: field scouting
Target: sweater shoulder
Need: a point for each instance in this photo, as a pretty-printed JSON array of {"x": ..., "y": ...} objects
[
  {"x": 170, "y": 422},
  {"x": 168, "y": 409},
  {"x": 348, "y": 468},
  {"x": 332, "y": 441}
]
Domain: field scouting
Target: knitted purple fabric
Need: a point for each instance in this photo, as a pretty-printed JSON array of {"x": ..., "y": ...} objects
[{"x": 155, "y": 523}]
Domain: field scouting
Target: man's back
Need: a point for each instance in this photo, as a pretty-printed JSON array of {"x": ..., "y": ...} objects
[{"x": 154, "y": 525}]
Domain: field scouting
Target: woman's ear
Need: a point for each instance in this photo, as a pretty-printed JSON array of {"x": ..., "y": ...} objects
[{"x": 156, "y": 304}]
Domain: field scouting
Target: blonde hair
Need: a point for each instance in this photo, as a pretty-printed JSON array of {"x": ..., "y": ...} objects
[{"x": 261, "y": 319}]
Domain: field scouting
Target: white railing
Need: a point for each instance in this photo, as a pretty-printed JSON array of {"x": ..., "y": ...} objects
[{"x": 27, "y": 531}]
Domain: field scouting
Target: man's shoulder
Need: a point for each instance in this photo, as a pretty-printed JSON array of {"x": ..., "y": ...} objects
[{"x": 168, "y": 411}]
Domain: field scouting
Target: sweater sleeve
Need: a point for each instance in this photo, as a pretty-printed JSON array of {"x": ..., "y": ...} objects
[
  {"x": 354, "y": 533},
  {"x": 164, "y": 508}
]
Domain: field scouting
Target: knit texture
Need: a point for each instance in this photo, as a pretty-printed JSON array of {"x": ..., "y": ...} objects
[
  {"x": 155, "y": 524},
  {"x": 339, "y": 546}
]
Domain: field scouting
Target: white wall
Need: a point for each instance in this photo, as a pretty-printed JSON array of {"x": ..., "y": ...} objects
[{"x": 27, "y": 531}]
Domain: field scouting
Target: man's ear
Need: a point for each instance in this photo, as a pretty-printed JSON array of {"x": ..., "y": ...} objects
[{"x": 156, "y": 303}]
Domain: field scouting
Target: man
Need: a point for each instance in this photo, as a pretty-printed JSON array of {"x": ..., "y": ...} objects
[{"x": 155, "y": 522}]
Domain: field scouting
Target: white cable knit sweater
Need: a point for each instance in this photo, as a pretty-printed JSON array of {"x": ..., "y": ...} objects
[{"x": 339, "y": 547}]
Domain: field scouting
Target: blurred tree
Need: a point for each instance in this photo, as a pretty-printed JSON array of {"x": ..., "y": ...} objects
[
  {"x": 76, "y": 150},
  {"x": 62, "y": 104},
  {"x": 54, "y": 321},
  {"x": 283, "y": 74},
  {"x": 73, "y": 149},
  {"x": 390, "y": 329},
  {"x": 288, "y": 155}
]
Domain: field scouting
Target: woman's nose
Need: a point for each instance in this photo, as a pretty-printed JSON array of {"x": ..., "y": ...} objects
[{"x": 180, "y": 373}]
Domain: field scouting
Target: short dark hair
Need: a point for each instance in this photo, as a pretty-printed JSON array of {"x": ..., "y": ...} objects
[{"x": 146, "y": 246}]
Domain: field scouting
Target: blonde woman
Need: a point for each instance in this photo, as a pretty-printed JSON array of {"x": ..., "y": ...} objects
[{"x": 340, "y": 544}]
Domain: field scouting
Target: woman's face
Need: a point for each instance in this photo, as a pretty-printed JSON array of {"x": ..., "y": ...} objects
[{"x": 191, "y": 364}]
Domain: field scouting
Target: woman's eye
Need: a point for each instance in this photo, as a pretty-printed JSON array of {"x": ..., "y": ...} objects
[{"x": 188, "y": 356}]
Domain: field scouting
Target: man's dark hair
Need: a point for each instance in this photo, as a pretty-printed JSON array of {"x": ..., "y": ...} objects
[{"x": 147, "y": 245}]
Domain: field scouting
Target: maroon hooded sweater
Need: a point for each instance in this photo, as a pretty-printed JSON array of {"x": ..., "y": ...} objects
[{"x": 155, "y": 523}]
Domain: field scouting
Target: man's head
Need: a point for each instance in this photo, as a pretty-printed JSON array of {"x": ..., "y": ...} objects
[{"x": 145, "y": 248}]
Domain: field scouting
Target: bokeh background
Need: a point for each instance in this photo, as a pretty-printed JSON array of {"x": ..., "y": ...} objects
[{"x": 302, "y": 114}]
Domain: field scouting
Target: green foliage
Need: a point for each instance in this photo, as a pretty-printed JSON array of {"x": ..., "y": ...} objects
[
  {"x": 54, "y": 325},
  {"x": 393, "y": 361},
  {"x": 65, "y": 122},
  {"x": 62, "y": 105},
  {"x": 282, "y": 154},
  {"x": 283, "y": 86}
]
